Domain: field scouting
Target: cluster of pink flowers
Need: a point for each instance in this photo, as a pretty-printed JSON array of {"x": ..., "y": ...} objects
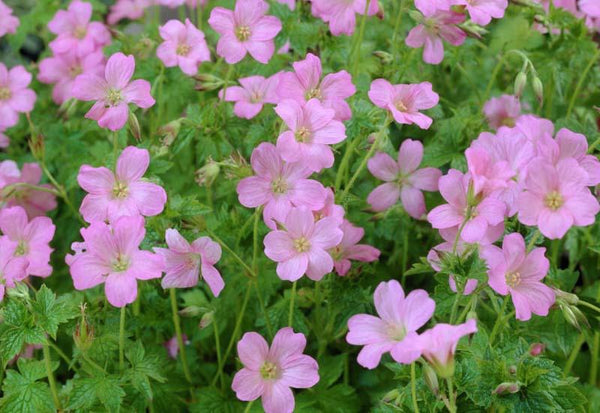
[
  {"x": 183, "y": 46},
  {"x": 440, "y": 21},
  {"x": 580, "y": 9},
  {"x": 18, "y": 188},
  {"x": 341, "y": 14},
  {"x": 395, "y": 330}
]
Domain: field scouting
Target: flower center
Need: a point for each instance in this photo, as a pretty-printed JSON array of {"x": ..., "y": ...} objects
[
  {"x": 269, "y": 371},
  {"x": 183, "y": 49},
  {"x": 120, "y": 190},
  {"x": 5, "y": 93},
  {"x": 255, "y": 97},
  {"x": 336, "y": 253},
  {"x": 396, "y": 332},
  {"x": 279, "y": 186},
  {"x": 510, "y": 122},
  {"x": 80, "y": 32},
  {"x": 301, "y": 244},
  {"x": 21, "y": 249},
  {"x": 513, "y": 279},
  {"x": 314, "y": 93},
  {"x": 75, "y": 71},
  {"x": 401, "y": 106},
  {"x": 113, "y": 97},
  {"x": 302, "y": 134},
  {"x": 554, "y": 200},
  {"x": 242, "y": 33},
  {"x": 120, "y": 264}
]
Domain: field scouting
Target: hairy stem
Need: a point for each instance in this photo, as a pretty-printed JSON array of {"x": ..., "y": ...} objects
[
  {"x": 292, "y": 298},
  {"x": 53, "y": 389},
  {"x": 413, "y": 387},
  {"x": 122, "y": 339},
  {"x": 178, "y": 333},
  {"x": 581, "y": 80}
]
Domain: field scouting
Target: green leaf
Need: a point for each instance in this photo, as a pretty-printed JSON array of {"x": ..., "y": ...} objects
[
  {"x": 87, "y": 391},
  {"x": 23, "y": 393},
  {"x": 49, "y": 312}
]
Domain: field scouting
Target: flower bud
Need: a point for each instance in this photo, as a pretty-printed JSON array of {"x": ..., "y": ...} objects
[
  {"x": 170, "y": 131},
  {"x": 206, "y": 319},
  {"x": 431, "y": 379},
  {"x": 520, "y": 82},
  {"x": 538, "y": 89},
  {"x": 207, "y": 82},
  {"x": 391, "y": 396},
  {"x": 569, "y": 315},
  {"x": 37, "y": 145},
  {"x": 416, "y": 16},
  {"x": 84, "y": 332},
  {"x": 191, "y": 311},
  {"x": 20, "y": 290},
  {"x": 385, "y": 57},
  {"x": 472, "y": 315},
  {"x": 581, "y": 318},
  {"x": 512, "y": 370},
  {"x": 506, "y": 388},
  {"x": 134, "y": 126},
  {"x": 536, "y": 349},
  {"x": 566, "y": 297},
  {"x": 206, "y": 175}
]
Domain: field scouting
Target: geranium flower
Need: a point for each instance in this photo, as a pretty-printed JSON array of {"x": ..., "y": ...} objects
[
  {"x": 253, "y": 93},
  {"x": 123, "y": 193},
  {"x": 127, "y": 9},
  {"x": 8, "y": 22},
  {"x": 482, "y": 11},
  {"x": 15, "y": 96},
  {"x": 311, "y": 129},
  {"x": 269, "y": 373},
  {"x": 301, "y": 247},
  {"x": 34, "y": 201},
  {"x": 399, "y": 319},
  {"x": 12, "y": 269},
  {"x": 246, "y": 29},
  {"x": 341, "y": 14},
  {"x": 514, "y": 271},
  {"x": 183, "y": 46},
  {"x": 279, "y": 186},
  {"x": 185, "y": 262},
  {"x": 113, "y": 93},
  {"x": 502, "y": 111},
  {"x": 305, "y": 83},
  {"x": 75, "y": 32},
  {"x": 32, "y": 238},
  {"x": 112, "y": 256},
  {"x": 403, "y": 179},
  {"x": 349, "y": 249}
]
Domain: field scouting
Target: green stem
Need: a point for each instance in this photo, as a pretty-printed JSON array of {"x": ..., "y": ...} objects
[
  {"x": 413, "y": 387},
  {"x": 574, "y": 353},
  {"x": 229, "y": 250},
  {"x": 396, "y": 28},
  {"x": 264, "y": 310},
  {"x": 366, "y": 158},
  {"x": 115, "y": 142},
  {"x": 581, "y": 80},
  {"x": 226, "y": 83},
  {"x": 356, "y": 45},
  {"x": 218, "y": 345},
  {"x": 257, "y": 214},
  {"x": 589, "y": 305},
  {"x": 8, "y": 188},
  {"x": 451, "y": 395},
  {"x": 248, "y": 406},
  {"x": 292, "y": 298},
  {"x": 533, "y": 240},
  {"x": 499, "y": 321},
  {"x": 233, "y": 338},
  {"x": 122, "y": 339},
  {"x": 177, "y": 324},
  {"x": 349, "y": 150},
  {"x": 199, "y": 19},
  {"x": 62, "y": 192},
  {"x": 60, "y": 353},
  {"x": 53, "y": 389},
  {"x": 593, "y": 145}
]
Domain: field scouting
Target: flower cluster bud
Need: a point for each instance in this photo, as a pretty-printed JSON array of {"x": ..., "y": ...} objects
[{"x": 507, "y": 388}]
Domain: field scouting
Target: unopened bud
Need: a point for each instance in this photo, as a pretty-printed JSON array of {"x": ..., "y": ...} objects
[
  {"x": 206, "y": 175},
  {"x": 474, "y": 30},
  {"x": 84, "y": 332},
  {"x": 391, "y": 396},
  {"x": 191, "y": 311},
  {"x": 207, "y": 319},
  {"x": 134, "y": 126},
  {"x": 536, "y": 349},
  {"x": 37, "y": 145},
  {"x": 581, "y": 318},
  {"x": 507, "y": 388},
  {"x": 520, "y": 82},
  {"x": 416, "y": 16},
  {"x": 569, "y": 315},
  {"x": 207, "y": 81},
  {"x": 512, "y": 370},
  {"x": 170, "y": 131},
  {"x": 569, "y": 298},
  {"x": 431, "y": 379},
  {"x": 20, "y": 290},
  {"x": 472, "y": 315},
  {"x": 68, "y": 108},
  {"x": 385, "y": 57},
  {"x": 538, "y": 89}
]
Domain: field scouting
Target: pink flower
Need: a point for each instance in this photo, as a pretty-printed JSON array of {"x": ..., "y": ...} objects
[
  {"x": 114, "y": 93},
  {"x": 330, "y": 209},
  {"x": 12, "y": 268},
  {"x": 556, "y": 197},
  {"x": 428, "y": 7},
  {"x": 184, "y": 262},
  {"x": 250, "y": 97},
  {"x": 8, "y": 22},
  {"x": 507, "y": 149},
  {"x": 35, "y": 202},
  {"x": 487, "y": 174},
  {"x": 127, "y": 9},
  {"x": 349, "y": 249},
  {"x": 301, "y": 247},
  {"x": 341, "y": 14},
  {"x": 124, "y": 193},
  {"x": 404, "y": 101},
  {"x": 435, "y": 256},
  {"x": 172, "y": 345},
  {"x": 245, "y": 30},
  {"x": 438, "y": 345},
  {"x": 514, "y": 271},
  {"x": 15, "y": 97},
  {"x": 438, "y": 26},
  {"x": 534, "y": 128},
  {"x": 312, "y": 128},
  {"x": 183, "y": 46},
  {"x": 75, "y": 32},
  {"x": 278, "y": 186},
  {"x": 305, "y": 83},
  {"x": 113, "y": 257},
  {"x": 482, "y": 11},
  {"x": 270, "y": 372},
  {"x": 176, "y": 3},
  {"x": 485, "y": 212},
  {"x": 569, "y": 144},
  {"x": 403, "y": 179},
  {"x": 399, "y": 319},
  {"x": 4, "y": 140},
  {"x": 502, "y": 111},
  {"x": 590, "y": 7},
  {"x": 32, "y": 238},
  {"x": 62, "y": 70}
]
